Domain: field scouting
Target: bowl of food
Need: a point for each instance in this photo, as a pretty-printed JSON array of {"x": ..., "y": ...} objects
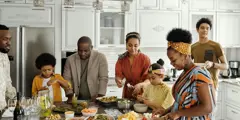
[
  {"x": 107, "y": 101},
  {"x": 69, "y": 114},
  {"x": 141, "y": 108},
  {"x": 100, "y": 117},
  {"x": 124, "y": 103},
  {"x": 89, "y": 112}
]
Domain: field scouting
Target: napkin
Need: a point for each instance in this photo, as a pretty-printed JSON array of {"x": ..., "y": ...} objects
[{"x": 7, "y": 113}]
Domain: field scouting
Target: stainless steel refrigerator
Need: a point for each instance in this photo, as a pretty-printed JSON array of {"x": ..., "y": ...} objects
[{"x": 26, "y": 44}]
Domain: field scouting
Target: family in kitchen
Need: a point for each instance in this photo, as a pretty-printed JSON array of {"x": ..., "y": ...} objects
[{"x": 193, "y": 95}]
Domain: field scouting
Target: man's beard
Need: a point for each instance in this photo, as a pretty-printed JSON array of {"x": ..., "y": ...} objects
[{"x": 4, "y": 50}]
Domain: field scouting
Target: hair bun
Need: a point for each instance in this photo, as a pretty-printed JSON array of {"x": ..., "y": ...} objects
[{"x": 160, "y": 62}]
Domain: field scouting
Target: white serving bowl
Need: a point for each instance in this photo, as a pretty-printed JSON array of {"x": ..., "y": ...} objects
[
  {"x": 141, "y": 108},
  {"x": 69, "y": 114},
  {"x": 86, "y": 114}
]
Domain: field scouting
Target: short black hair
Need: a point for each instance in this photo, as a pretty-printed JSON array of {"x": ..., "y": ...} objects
[
  {"x": 3, "y": 27},
  {"x": 133, "y": 35},
  {"x": 204, "y": 20},
  {"x": 179, "y": 35},
  {"x": 84, "y": 39},
  {"x": 45, "y": 59}
]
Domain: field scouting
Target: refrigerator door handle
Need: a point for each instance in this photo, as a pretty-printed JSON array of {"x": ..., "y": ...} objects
[
  {"x": 23, "y": 60},
  {"x": 18, "y": 48}
]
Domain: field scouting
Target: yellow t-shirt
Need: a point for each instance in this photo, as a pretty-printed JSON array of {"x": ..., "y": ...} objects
[{"x": 159, "y": 94}]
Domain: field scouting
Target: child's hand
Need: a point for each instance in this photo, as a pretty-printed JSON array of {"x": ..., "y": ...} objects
[
  {"x": 43, "y": 88},
  {"x": 50, "y": 82},
  {"x": 140, "y": 98}
]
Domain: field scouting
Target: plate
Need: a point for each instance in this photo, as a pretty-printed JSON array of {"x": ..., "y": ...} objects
[
  {"x": 62, "y": 108},
  {"x": 107, "y": 103}
]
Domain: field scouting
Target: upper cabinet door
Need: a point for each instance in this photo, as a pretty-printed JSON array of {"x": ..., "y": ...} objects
[
  {"x": 148, "y": 4},
  {"x": 45, "y": 1},
  {"x": 228, "y": 27},
  {"x": 12, "y": 1},
  {"x": 153, "y": 26},
  {"x": 15, "y": 15},
  {"x": 76, "y": 23},
  {"x": 228, "y": 5},
  {"x": 171, "y": 4},
  {"x": 202, "y": 5}
]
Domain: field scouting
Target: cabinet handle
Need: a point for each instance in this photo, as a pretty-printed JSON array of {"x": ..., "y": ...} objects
[
  {"x": 169, "y": 8},
  {"x": 9, "y": 1},
  {"x": 202, "y": 10},
  {"x": 234, "y": 91},
  {"x": 146, "y": 8},
  {"x": 229, "y": 10},
  {"x": 234, "y": 112}
]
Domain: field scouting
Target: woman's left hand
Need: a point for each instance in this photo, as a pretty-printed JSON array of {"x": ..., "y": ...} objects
[
  {"x": 172, "y": 116},
  {"x": 137, "y": 88}
]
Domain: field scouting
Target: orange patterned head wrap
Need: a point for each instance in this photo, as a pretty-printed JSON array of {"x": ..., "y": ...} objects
[{"x": 181, "y": 47}]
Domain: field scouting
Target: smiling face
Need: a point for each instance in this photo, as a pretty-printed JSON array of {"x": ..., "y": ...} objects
[
  {"x": 133, "y": 46},
  {"x": 5, "y": 41},
  {"x": 177, "y": 59},
  {"x": 203, "y": 30}
]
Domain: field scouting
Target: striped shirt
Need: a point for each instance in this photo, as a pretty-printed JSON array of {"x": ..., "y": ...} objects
[{"x": 185, "y": 91}]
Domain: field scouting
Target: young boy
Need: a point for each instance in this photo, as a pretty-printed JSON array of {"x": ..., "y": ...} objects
[{"x": 47, "y": 79}]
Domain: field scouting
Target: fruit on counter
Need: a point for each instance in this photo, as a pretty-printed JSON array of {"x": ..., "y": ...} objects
[
  {"x": 149, "y": 115},
  {"x": 83, "y": 104},
  {"x": 54, "y": 117},
  {"x": 129, "y": 116}
]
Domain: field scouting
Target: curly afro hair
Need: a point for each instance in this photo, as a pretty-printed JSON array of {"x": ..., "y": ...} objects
[
  {"x": 179, "y": 35},
  {"x": 204, "y": 20},
  {"x": 45, "y": 59}
]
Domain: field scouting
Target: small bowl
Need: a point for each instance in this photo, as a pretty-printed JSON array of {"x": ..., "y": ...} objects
[
  {"x": 87, "y": 114},
  {"x": 141, "y": 108},
  {"x": 124, "y": 104},
  {"x": 69, "y": 114}
]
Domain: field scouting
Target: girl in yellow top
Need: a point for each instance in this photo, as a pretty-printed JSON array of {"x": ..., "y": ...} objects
[
  {"x": 157, "y": 95},
  {"x": 47, "y": 79}
]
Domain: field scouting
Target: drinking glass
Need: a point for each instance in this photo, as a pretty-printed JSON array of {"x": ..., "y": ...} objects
[{"x": 12, "y": 104}]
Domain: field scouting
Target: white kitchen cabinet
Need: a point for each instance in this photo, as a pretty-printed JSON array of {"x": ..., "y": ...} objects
[
  {"x": 12, "y": 1},
  {"x": 153, "y": 26},
  {"x": 228, "y": 24},
  {"x": 148, "y": 4},
  {"x": 111, "y": 28},
  {"x": 170, "y": 4},
  {"x": 218, "y": 113},
  {"x": 231, "y": 112},
  {"x": 232, "y": 94},
  {"x": 195, "y": 17},
  {"x": 45, "y": 1},
  {"x": 112, "y": 57},
  {"x": 15, "y": 15},
  {"x": 76, "y": 23},
  {"x": 228, "y": 5},
  {"x": 202, "y": 5}
]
